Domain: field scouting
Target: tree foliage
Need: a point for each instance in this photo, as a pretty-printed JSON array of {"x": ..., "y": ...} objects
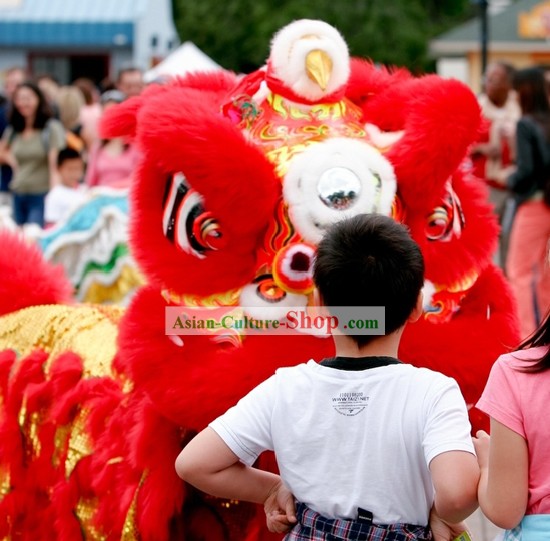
[{"x": 237, "y": 33}]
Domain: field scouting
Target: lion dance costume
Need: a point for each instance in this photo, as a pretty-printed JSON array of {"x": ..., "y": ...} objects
[{"x": 239, "y": 180}]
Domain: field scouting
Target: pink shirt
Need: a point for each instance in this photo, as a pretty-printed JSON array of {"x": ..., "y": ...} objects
[
  {"x": 519, "y": 400},
  {"x": 89, "y": 119},
  {"x": 104, "y": 169}
]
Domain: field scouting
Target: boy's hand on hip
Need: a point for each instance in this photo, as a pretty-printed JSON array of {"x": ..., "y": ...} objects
[
  {"x": 279, "y": 509},
  {"x": 445, "y": 531}
]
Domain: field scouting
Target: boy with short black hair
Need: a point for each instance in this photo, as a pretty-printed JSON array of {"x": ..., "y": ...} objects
[
  {"x": 373, "y": 470},
  {"x": 64, "y": 197}
]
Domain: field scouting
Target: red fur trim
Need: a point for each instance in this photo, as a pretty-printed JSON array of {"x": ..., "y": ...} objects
[
  {"x": 115, "y": 474},
  {"x": 442, "y": 120},
  {"x": 248, "y": 85},
  {"x": 214, "y": 83},
  {"x": 65, "y": 496},
  {"x": 169, "y": 376},
  {"x": 231, "y": 175},
  {"x": 27, "y": 279},
  {"x": 7, "y": 362},
  {"x": 367, "y": 81},
  {"x": 155, "y": 505},
  {"x": 120, "y": 120}
]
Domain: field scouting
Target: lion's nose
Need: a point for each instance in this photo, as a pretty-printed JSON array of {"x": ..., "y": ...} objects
[{"x": 293, "y": 268}]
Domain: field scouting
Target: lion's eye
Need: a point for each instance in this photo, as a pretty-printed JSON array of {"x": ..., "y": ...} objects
[
  {"x": 184, "y": 220},
  {"x": 446, "y": 220}
]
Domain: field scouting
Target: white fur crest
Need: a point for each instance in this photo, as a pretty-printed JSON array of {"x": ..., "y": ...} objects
[
  {"x": 290, "y": 47},
  {"x": 337, "y": 179}
]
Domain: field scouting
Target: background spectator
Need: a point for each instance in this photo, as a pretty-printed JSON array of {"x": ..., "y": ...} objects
[
  {"x": 70, "y": 102},
  {"x": 30, "y": 145},
  {"x": 527, "y": 261},
  {"x": 49, "y": 86},
  {"x": 130, "y": 81},
  {"x": 112, "y": 162},
  {"x": 68, "y": 194},
  {"x": 14, "y": 77},
  {"x": 90, "y": 112},
  {"x": 495, "y": 149}
]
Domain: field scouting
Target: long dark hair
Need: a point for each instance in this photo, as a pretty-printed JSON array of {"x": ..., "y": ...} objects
[
  {"x": 532, "y": 89},
  {"x": 541, "y": 337},
  {"x": 43, "y": 111}
]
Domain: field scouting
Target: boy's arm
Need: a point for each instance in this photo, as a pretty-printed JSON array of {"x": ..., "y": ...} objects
[
  {"x": 207, "y": 463},
  {"x": 455, "y": 476},
  {"x": 503, "y": 487}
]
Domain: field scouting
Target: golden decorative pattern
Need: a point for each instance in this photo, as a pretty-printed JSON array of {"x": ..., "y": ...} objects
[
  {"x": 4, "y": 482},
  {"x": 79, "y": 442},
  {"x": 465, "y": 283},
  {"x": 129, "y": 530},
  {"x": 60, "y": 441},
  {"x": 128, "y": 280},
  {"x": 29, "y": 428},
  {"x": 85, "y": 509},
  {"x": 88, "y": 331},
  {"x": 284, "y": 129},
  {"x": 225, "y": 298}
]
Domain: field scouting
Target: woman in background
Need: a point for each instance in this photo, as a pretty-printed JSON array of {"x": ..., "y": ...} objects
[
  {"x": 30, "y": 145},
  {"x": 527, "y": 262}
]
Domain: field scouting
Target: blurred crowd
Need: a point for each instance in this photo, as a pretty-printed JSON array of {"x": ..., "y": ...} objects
[
  {"x": 512, "y": 156},
  {"x": 51, "y": 152}
]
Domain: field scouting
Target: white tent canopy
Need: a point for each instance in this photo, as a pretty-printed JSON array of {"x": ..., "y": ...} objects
[{"x": 187, "y": 57}]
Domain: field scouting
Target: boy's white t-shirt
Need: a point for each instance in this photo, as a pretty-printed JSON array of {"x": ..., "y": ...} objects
[
  {"x": 60, "y": 200},
  {"x": 349, "y": 439}
]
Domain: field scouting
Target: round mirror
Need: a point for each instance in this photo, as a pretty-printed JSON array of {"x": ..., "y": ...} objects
[{"x": 339, "y": 188}]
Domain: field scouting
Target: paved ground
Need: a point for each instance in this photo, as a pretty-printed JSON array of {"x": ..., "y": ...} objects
[{"x": 481, "y": 529}]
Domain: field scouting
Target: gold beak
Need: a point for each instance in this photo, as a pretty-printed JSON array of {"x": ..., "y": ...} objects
[{"x": 319, "y": 67}]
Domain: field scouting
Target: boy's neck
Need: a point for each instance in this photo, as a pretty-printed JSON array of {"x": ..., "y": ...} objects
[
  {"x": 72, "y": 186},
  {"x": 381, "y": 346}
]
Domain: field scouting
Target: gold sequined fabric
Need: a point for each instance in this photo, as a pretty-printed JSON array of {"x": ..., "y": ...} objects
[
  {"x": 86, "y": 330},
  {"x": 128, "y": 280},
  {"x": 89, "y": 331}
]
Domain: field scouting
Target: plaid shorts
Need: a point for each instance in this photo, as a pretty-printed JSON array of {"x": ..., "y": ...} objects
[{"x": 312, "y": 525}]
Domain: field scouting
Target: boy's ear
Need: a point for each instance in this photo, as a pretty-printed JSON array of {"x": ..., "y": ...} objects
[
  {"x": 317, "y": 299},
  {"x": 418, "y": 309}
]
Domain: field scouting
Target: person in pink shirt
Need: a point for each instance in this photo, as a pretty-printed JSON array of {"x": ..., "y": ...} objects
[
  {"x": 514, "y": 488},
  {"x": 112, "y": 162},
  {"x": 90, "y": 112}
]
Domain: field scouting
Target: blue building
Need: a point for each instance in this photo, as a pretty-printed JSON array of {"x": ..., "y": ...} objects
[{"x": 91, "y": 38}]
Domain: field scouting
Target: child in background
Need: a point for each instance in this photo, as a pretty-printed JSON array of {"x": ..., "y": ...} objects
[
  {"x": 69, "y": 193},
  {"x": 381, "y": 472},
  {"x": 514, "y": 489}
]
